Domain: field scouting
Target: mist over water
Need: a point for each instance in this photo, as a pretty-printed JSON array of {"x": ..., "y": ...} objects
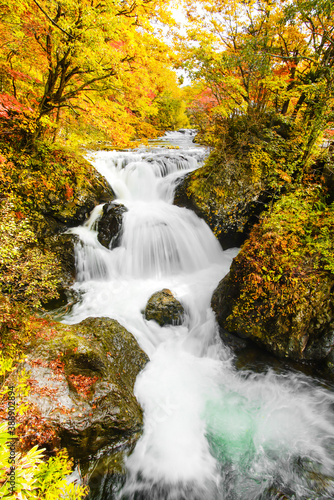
[{"x": 210, "y": 432}]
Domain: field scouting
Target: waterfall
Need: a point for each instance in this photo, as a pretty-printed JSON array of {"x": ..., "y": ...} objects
[{"x": 210, "y": 431}]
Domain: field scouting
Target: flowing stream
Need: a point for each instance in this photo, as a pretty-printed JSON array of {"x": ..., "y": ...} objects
[{"x": 210, "y": 431}]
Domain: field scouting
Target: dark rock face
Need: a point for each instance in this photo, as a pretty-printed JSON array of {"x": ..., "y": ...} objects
[
  {"x": 227, "y": 195},
  {"x": 304, "y": 331},
  {"x": 82, "y": 385},
  {"x": 164, "y": 308},
  {"x": 110, "y": 225}
]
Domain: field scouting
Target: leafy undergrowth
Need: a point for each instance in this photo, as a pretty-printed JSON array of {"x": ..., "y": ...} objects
[
  {"x": 35, "y": 476},
  {"x": 306, "y": 222}
]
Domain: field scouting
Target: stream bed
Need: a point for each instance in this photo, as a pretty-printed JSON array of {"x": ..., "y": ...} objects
[{"x": 211, "y": 431}]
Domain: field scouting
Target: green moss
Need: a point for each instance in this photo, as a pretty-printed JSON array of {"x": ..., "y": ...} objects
[
  {"x": 28, "y": 273},
  {"x": 307, "y": 223}
]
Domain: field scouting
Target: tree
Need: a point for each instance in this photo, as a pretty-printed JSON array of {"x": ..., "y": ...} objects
[
  {"x": 64, "y": 56},
  {"x": 260, "y": 57}
]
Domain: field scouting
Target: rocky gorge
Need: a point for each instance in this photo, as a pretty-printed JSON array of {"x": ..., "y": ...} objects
[{"x": 90, "y": 378}]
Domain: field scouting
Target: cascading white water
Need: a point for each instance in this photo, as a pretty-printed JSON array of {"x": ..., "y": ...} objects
[{"x": 210, "y": 432}]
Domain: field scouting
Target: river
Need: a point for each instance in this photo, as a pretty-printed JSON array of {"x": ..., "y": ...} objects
[{"x": 210, "y": 431}]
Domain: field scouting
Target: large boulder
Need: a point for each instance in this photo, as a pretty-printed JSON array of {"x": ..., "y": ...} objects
[
  {"x": 61, "y": 212},
  {"x": 81, "y": 388},
  {"x": 279, "y": 292},
  {"x": 164, "y": 308},
  {"x": 227, "y": 193},
  {"x": 299, "y": 326},
  {"x": 109, "y": 226}
]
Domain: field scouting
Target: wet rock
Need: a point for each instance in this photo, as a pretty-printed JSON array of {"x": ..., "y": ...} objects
[
  {"x": 164, "y": 308},
  {"x": 109, "y": 226},
  {"x": 106, "y": 475},
  {"x": 82, "y": 383}
]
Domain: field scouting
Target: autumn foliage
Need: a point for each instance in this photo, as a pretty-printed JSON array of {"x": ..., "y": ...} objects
[
  {"x": 261, "y": 58},
  {"x": 71, "y": 69}
]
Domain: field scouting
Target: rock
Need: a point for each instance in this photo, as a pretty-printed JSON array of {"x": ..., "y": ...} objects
[
  {"x": 106, "y": 475},
  {"x": 164, "y": 308},
  {"x": 288, "y": 311},
  {"x": 227, "y": 195},
  {"x": 81, "y": 384},
  {"x": 60, "y": 213},
  {"x": 70, "y": 202},
  {"x": 63, "y": 246},
  {"x": 109, "y": 226}
]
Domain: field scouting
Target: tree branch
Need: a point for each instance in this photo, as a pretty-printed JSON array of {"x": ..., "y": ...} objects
[
  {"x": 84, "y": 87},
  {"x": 52, "y": 21}
]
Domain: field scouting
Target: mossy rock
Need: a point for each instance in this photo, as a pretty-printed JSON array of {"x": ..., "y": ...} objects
[
  {"x": 81, "y": 386},
  {"x": 63, "y": 247},
  {"x": 164, "y": 308},
  {"x": 62, "y": 213},
  {"x": 278, "y": 292},
  {"x": 227, "y": 194}
]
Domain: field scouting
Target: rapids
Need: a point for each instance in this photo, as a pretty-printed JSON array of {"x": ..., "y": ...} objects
[{"x": 210, "y": 431}]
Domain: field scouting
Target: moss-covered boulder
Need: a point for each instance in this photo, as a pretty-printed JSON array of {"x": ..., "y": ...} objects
[
  {"x": 81, "y": 387},
  {"x": 164, "y": 308},
  {"x": 54, "y": 182},
  {"x": 280, "y": 289},
  {"x": 76, "y": 192},
  {"x": 228, "y": 192},
  {"x": 62, "y": 247},
  {"x": 109, "y": 226},
  {"x": 72, "y": 210}
]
